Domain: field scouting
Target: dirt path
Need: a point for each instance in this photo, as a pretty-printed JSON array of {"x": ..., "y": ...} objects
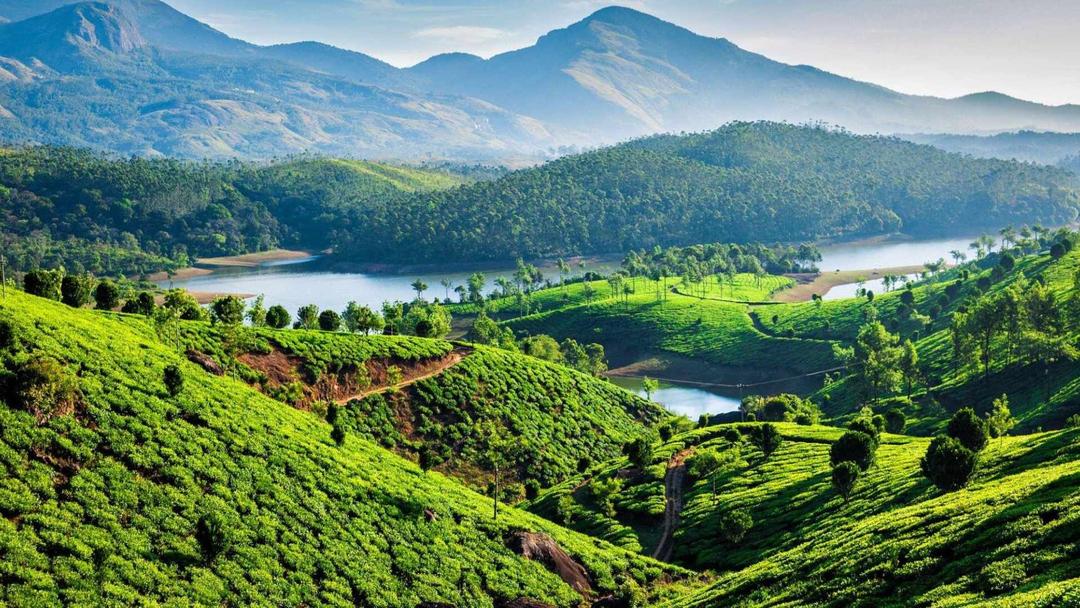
[
  {"x": 673, "y": 495},
  {"x": 449, "y": 361}
]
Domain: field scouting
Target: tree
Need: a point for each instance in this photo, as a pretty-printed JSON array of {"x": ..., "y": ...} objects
[
  {"x": 650, "y": 386},
  {"x": 393, "y": 314},
  {"x": 329, "y": 320},
  {"x": 227, "y": 310},
  {"x": 363, "y": 319},
  {"x": 878, "y": 352},
  {"x": 44, "y": 283},
  {"x": 184, "y": 305},
  {"x": 76, "y": 290},
  {"x": 447, "y": 285},
  {"x": 542, "y": 347},
  {"x": 983, "y": 322},
  {"x": 277, "y": 317},
  {"x": 768, "y": 439},
  {"x": 853, "y": 446},
  {"x": 597, "y": 358},
  {"x": 419, "y": 287},
  {"x": 107, "y": 295},
  {"x": 733, "y": 524},
  {"x": 895, "y": 421},
  {"x": 307, "y": 317},
  {"x": 486, "y": 331},
  {"x": 844, "y": 476},
  {"x": 256, "y": 313},
  {"x": 476, "y": 287},
  {"x": 864, "y": 424},
  {"x": 141, "y": 304},
  {"x": 967, "y": 428},
  {"x": 174, "y": 380},
  {"x": 999, "y": 420},
  {"x": 427, "y": 320},
  {"x": 639, "y": 452},
  {"x": 909, "y": 366},
  {"x": 948, "y": 464}
]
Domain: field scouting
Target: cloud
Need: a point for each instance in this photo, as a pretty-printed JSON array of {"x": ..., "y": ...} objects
[{"x": 462, "y": 34}]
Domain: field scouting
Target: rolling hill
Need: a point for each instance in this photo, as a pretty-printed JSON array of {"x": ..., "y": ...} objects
[
  {"x": 115, "y": 490},
  {"x": 744, "y": 182}
]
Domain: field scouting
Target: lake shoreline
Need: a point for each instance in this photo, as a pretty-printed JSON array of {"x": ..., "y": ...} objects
[{"x": 820, "y": 283}]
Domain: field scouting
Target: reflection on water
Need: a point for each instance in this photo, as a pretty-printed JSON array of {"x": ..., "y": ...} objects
[{"x": 686, "y": 400}]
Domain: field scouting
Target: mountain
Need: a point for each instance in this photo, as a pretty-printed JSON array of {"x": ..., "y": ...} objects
[
  {"x": 615, "y": 75},
  {"x": 1045, "y": 148},
  {"x": 622, "y": 73},
  {"x": 745, "y": 182},
  {"x": 150, "y": 99}
]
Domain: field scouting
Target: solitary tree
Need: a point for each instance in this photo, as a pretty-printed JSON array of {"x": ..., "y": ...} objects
[
  {"x": 733, "y": 524},
  {"x": 107, "y": 295},
  {"x": 853, "y": 446},
  {"x": 76, "y": 289},
  {"x": 329, "y": 320},
  {"x": 1000, "y": 420},
  {"x": 639, "y": 451},
  {"x": 650, "y": 386},
  {"x": 174, "y": 380},
  {"x": 768, "y": 439},
  {"x": 948, "y": 464},
  {"x": 909, "y": 366},
  {"x": 844, "y": 476},
  {"x": 256, "y": 313},
  {"x": 895, "y": 421},
  {"x": 307, "y": 317},
  {"x": 967, "y": 428},
  {"x": 419, "y": 287}
]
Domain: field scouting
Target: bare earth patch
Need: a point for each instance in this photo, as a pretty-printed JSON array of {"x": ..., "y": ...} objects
[{"x": 808, "y": 284}]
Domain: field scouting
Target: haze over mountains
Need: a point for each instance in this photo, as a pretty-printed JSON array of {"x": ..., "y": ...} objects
[{"x": 136, "y": 76}]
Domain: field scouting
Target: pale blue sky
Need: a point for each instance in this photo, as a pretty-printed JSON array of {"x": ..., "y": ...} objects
[{"x": 1026, "y": 48}]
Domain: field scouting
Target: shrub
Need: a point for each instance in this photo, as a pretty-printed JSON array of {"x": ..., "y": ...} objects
[
  {"x": 277, "y": 317},
  {"x": 844, "y": 476},
  {"x": 948, "y": 464},
  {"x": 44, "y": 283},
  {"x": 768, "y": 439},
  {"x": 605, "y": 492},
  {"x": 732, "y": 434},
  {"x": 7, "y": 335},
  {"x": 732, "y": 525},
  {"x": 106, "y": 295},
  {"x": 999, "y": 420},
  {"x": 1002, "y": 576},
  {"x": 174, "y": 380},
  {"x": 970, "y": 430},
  {"x": 853, "y": 446},
  {"x": 895, "y": 421},
  {"x": 45, "y": 389}
]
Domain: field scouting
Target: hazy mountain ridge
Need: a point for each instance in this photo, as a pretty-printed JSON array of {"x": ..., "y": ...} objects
[{"x": 615, "y": 75}]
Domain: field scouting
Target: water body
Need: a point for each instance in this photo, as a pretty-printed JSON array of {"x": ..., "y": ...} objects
[
  {"x": 689, "y": 401},
  {"x": 296, "y": 283},
  {"x": 849, "y": 290}
]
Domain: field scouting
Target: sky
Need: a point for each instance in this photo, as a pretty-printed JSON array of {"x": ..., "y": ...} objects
[{"x": 1025, "y": 48}]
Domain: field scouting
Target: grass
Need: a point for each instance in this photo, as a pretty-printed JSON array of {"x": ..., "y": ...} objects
[{"x": 222, "y": 495}]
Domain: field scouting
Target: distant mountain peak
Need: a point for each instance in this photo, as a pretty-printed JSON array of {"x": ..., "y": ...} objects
[{"x": 101, "y": 25}]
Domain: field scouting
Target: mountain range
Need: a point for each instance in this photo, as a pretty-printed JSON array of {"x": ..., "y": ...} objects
[{"x": 139, "y": 77}]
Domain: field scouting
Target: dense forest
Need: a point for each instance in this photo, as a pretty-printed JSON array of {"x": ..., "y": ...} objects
[
  {"x": 762, "y": 182},
  {"x": 743, "y": 182},
  {"x": 106, "y": 215}
]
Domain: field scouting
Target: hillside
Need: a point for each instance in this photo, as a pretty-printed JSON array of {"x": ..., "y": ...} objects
[
  {"x": 115, "y": 492},
  {"x": 464, "y": 409},
  {"x": 107, "y": 215},
  {"x": 1030, "y": 146},
  {"x": 897, "y": 540},
  {"x": 744, "y": 182}
]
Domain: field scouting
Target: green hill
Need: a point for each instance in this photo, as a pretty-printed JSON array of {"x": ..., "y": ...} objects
[
  {"x": 114, "y": 492},
  {"x": 462, "y": 409},
  {"x": 1007, "y": 539},
  {"x": 744, "y": 182},
  {"x": 109, "y": 215}
]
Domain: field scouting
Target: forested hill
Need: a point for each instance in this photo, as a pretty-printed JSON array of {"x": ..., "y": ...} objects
[
  {"x": 742, "y": 182},
  {"x": 62, "y": 206}
]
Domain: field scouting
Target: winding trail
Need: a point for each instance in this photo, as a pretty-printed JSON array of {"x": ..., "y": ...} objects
[
  {"x": 673, "y": 495},
  {"x": 455, "y": 357}
]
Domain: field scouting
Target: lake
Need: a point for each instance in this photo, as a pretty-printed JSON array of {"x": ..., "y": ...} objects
[
  {"x": 848, "y": 290},
  {"x": 689, "y": 401},
  {"x": 299, "y": 282}
]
